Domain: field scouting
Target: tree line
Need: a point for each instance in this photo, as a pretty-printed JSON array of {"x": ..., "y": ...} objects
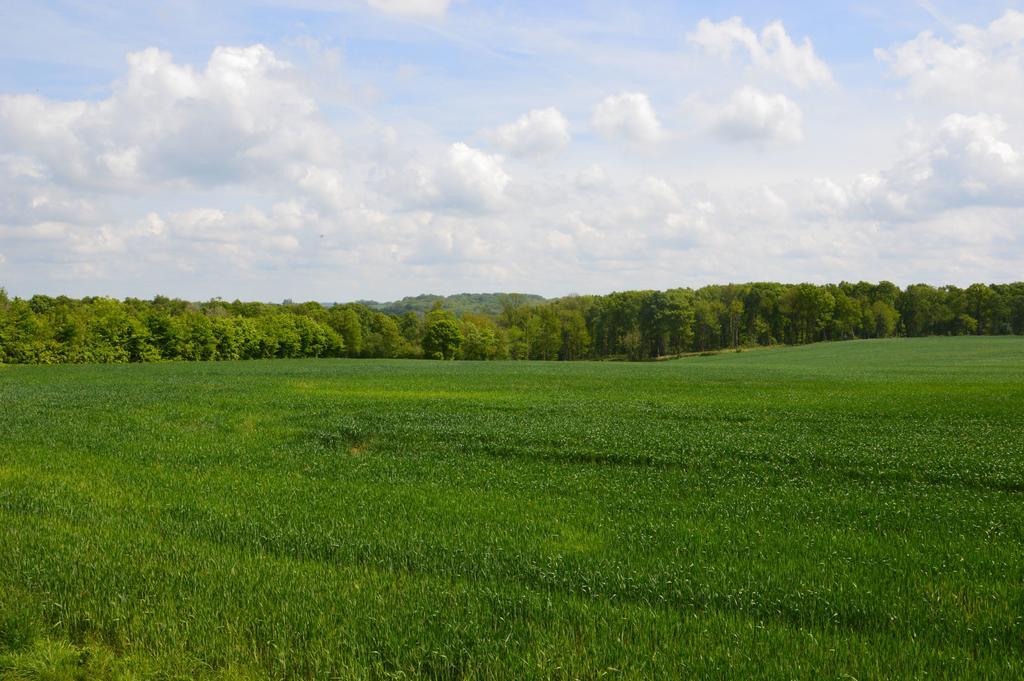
[{"x": 634, "y": 325}]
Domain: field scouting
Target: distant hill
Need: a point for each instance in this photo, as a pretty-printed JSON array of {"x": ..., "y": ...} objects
[{"x": 459, "y": 303}]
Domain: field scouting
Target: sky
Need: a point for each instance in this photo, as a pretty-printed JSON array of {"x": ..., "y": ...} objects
[{"x": 373, "y": 149}]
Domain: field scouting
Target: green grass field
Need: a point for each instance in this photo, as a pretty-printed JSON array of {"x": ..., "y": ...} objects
[{"x": 829, "y": 511}]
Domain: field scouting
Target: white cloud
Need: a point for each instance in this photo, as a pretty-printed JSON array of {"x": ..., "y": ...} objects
[
  {"x": 460, "y": 178},
  {"x": 629, "y": 116},
  {"x": 470, "y": 177},
  {"x": 772, "y": 52},
  {"x": 818, "y": 200},
  {"x": 982, "y": 66},
  {"x": 658, "y": 194},
  {"x": 967, "y": 162},
  {"x": 592, "y": 178},
  {"x": 264, "y": 179},
  {"x": 964, "y": 166},
  {"x": 447, "y": 240},
  {"x": 244, "y": 117},
  {"x": 539, "y": 132},
  {"x": 244, "y": 236},
  {"x": 411, "y": 8},
  {"x": 753, "y": 115}
]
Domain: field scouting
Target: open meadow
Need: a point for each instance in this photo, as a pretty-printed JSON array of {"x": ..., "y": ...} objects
[{"x": 837, "y": 510}]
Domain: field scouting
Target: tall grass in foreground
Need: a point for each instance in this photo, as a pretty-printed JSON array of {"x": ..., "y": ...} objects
[{"x": 829, "y": 511}]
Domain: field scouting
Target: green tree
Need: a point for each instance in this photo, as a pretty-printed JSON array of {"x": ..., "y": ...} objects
[
  {"x": 518, "y": 343},
  {"x": 735, "y": 310},
  {"x": 442, "y": 339},
  {"x": 846, "y": 316},
  {"x": 547, "y": 341},
  {"x": 809, "y": 309},
  {"x": 480, "y": 338},
  {"x": 109, "y": 331},
  {"x": 198, "y": 341},
  {"x": 411, "y": 328},
  {"x": 678, "y": 320},
  {"x": 707, "y": 323},
  {"x": 345, "y": 321},
  {"x": 979, "y": 299},
  {"x": 967, "y": 324},
  {"x": 885, "y": 319},
  {"x": 384, "y": 338},
  {"x": 575, "y": 336},
  {"x": 921, "y": 309}
]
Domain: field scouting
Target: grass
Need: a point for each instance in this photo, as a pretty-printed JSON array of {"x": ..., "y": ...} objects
[{"x": 831, "y": 511}]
